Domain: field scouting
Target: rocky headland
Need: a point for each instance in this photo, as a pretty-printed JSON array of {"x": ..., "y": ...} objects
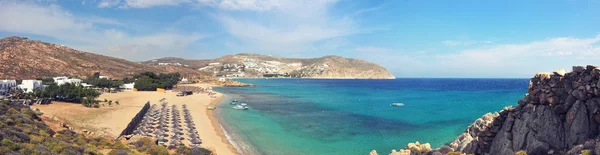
[
  {"x": 263, "y": 66},
  {"x": 560, "y": 114}
]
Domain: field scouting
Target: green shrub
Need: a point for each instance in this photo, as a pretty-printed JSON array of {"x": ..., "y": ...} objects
[
  {"x": 96, "y": 106},
  {"x": 119, "y": 145},
  {"x": 454, "y": 153},
  {"x": 586, "y": 152},
  {"x": 105, "y": 100},
  {"x": 118, "y": 152},
  {"x": 183, "y": 150},
  {"x": 522, "y": 152},
  {"x": 158, "y": 150},
  {"x": 200, "y": 151},
  {"x": 10, "y": 144}
]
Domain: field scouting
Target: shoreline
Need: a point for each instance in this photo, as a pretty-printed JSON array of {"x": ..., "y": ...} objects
[{"x": 218, "y": 126}]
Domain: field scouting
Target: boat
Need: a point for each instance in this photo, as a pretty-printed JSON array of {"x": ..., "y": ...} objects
[
  {"x": 243, "y": 104},
  {"x": 397, "y": 104},
  {"x": 232, "y": 103},
  {"x": 212, "y": 107},
  {"x": 240, "y": 107}
]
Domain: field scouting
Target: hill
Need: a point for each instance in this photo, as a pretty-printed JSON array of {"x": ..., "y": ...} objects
[
  {"x": 255, "y": 65},
  {"x": 21, "y": 58}
]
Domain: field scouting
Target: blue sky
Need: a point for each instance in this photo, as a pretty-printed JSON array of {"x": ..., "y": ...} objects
[{"x": 412, "y": 38}]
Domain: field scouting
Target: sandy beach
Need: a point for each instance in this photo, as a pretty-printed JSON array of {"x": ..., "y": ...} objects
[{"x": 111, "y": 120}]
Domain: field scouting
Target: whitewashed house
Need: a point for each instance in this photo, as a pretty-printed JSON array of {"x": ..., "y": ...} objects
[
  {"x": 63, "y": 79},
  {"x": 222, "y": 79},
  {"x": 6, "y": 86},
  {"x": 30, "y": 85},
  {"x": 128, "y": 86},
  {"x": 103, "y": 77},
  {"x": 185, "y": 80},
  {"x": 85, "y": 85}
]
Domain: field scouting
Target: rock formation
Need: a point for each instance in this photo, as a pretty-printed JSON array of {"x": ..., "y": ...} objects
[{"x": 560, "y": 114}]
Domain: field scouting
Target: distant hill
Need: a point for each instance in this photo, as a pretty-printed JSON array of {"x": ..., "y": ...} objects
[
  {"x": 21, "y": 58},
  {"x": 255, "y": 65}
]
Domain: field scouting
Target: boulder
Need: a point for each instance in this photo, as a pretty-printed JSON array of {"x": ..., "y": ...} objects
[
  {"x": 401, "y": 152},
  {"x": 560, "y": 72},
  {"x": 445, "y": 149},
  {"x": 578, "y": 69},
  {"x": 590, "y": 67},
  {"x": 577, "y": 125},
  {"x": 373, "y": 153}
]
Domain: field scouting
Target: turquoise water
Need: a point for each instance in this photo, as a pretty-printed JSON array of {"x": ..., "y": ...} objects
[{"x": 310, "y": 116}]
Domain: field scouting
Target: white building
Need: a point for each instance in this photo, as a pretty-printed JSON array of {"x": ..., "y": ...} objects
[
  {"x": 6, "y": 86},
  {"x": 63, "y": 79},
  {"x": 85, "y": 85},
  {"x": 103, "y": 77},
  {"x": 30, "y": 85},
  {"x": 128, "y": 86},
  {"x": 185, "y": 80},
  {"x": 222, "y": 79}
]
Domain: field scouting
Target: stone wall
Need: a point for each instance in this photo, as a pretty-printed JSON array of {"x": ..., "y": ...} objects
[{"x": 560, "y": 114}]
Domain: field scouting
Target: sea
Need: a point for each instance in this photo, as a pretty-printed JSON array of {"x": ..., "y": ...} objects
[{"x": 347, "y": 117}]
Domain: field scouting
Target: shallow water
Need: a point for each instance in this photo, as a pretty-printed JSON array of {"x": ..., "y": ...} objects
[{"x": 310, "y": 116}]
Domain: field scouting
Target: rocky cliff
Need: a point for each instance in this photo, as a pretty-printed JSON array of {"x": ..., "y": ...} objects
[
  {"x": 560, "y": 114},
  {"x": 254, "y": 65},
  {"x": 21, "y": 58}
]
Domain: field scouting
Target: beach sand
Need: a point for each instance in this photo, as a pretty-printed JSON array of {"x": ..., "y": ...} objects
[{"x": 111, "y": 120}]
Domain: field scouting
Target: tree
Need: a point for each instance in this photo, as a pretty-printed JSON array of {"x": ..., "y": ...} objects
[
  {"x": 117, "y": 102},
  {"x": 96, "y": 75},
  {"x": 149, "y": 81},
  {"x": 110, "y": 103},
  {"x": 17, "y": 93}
]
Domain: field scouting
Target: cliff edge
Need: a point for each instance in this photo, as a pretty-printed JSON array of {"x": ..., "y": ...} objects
[{"x": 560, "y": 114}]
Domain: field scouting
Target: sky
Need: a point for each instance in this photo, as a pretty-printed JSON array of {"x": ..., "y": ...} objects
[{"x": 411, "y": 38}]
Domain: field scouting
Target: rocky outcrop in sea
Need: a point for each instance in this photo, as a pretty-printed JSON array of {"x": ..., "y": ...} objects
[{"x": 560, "y": 114}]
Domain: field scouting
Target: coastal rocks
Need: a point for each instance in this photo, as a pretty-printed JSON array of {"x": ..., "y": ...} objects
[
  {"x": 373, "y": 153},
  {"x": 560, "y": 114},
  {"x": 413, "y": 149},
  {"x": 401, "y": 152}
]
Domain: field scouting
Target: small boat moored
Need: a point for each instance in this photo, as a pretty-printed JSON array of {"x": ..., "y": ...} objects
[
  {"x": 240, "y": 107},
  {"x": 212, "y": 107},
  {"x": 397, "y": 104}
]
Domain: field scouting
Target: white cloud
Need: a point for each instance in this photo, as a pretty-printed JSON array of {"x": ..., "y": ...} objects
[
  {"x": 285, "y": 25},
  {"x": 504, "y": 60},
  {"x": 108, "y": 3},
  {"x": 82, "y": 32}
]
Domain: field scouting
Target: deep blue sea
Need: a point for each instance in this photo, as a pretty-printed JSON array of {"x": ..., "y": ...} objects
[{"x": 340, "y": 117}]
